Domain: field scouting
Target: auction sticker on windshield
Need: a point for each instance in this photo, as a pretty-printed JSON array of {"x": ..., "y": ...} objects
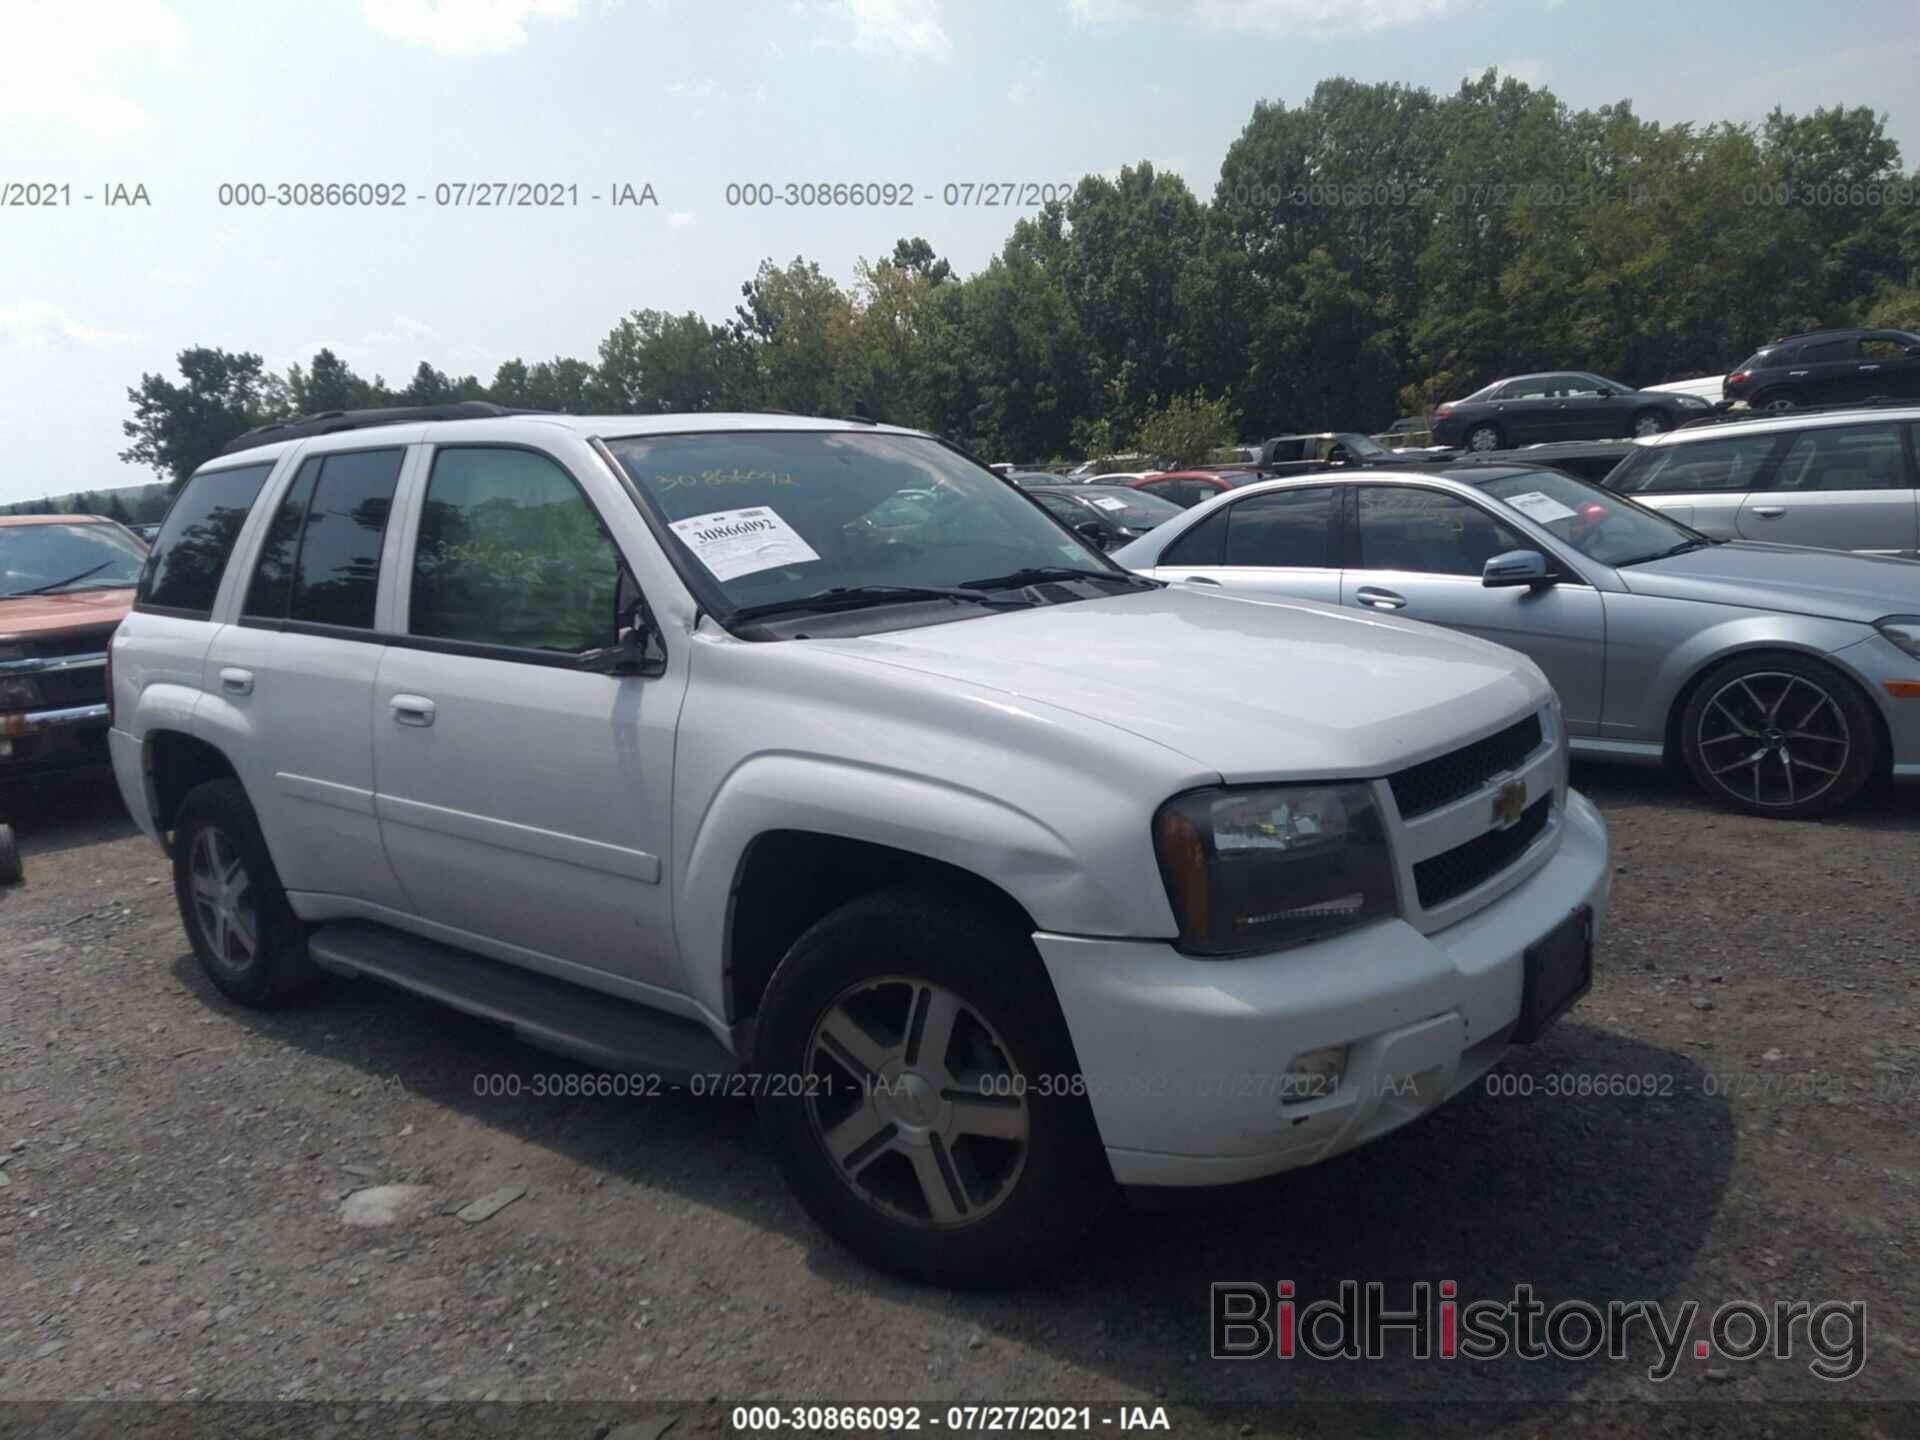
[
  {"x": 731, "y": 543},
  {"x": 1537, "y": 506},
  {"x": 1109, "y": 502}
]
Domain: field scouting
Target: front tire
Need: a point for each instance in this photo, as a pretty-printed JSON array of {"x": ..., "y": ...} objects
[
  {"x": 1484, "y": 436},
  {"x": 1779, "y": 735},
  {"x": 1651, "y": 422},
  {"x": 10, "y": 867},
  {"x": 244, "y": 934},
  {"x": 920, "y": 1093}
]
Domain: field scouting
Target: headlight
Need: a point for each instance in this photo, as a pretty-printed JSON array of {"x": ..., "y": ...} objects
[
  {"x": 1902, "y": 630},
  {"x": 1264, "y": 867},
  {"x": 17, "y": 692},
  {"x": 1694, "y": 402}
]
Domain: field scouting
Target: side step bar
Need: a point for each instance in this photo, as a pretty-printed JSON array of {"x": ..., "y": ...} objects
[{"x": 554, "y": 1015}]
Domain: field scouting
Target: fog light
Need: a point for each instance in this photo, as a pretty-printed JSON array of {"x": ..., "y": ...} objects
[{"x": 1313, "y": 1075}]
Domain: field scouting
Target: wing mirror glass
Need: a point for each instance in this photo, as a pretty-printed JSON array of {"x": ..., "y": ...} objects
[
  {"x": 637, "y": 648},
  {"x": 1517, "y": 567}
]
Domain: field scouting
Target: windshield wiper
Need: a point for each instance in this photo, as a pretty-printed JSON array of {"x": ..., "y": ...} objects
[
  {"x": 1037, "y": 574},
  {"x": 1697, "y": 543},
  {"x": 60, "y": 584},
  {"x": 856, "y": 597}
]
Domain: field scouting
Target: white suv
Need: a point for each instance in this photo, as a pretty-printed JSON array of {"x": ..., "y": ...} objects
[{"x": 808, "y": 759}]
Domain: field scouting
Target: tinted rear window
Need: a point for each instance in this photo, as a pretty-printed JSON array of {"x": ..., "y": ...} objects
[
  {"x": 1696, "y": 467},
  {"x": 339, "y": 565},
  {"x": 191, "y": 550}
]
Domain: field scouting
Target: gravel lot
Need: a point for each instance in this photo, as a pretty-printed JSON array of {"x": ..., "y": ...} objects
[{"x": 177, "y": 1173}]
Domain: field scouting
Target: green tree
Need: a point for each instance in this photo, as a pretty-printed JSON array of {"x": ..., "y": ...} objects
[
  {"x": 656, "y": 363},
  {"x": 1186, "y": 430},
  {"x": 177, "y": 428}
]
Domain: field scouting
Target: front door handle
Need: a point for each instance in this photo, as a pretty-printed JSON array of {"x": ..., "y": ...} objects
[
  {"x": 1374, "y": 598},
  {"x": 1769, "y": 512},
  {"x": 236, "y": 681},
  {"x": 412, "y": 709},
  {"x": 1200, "y": 580}
]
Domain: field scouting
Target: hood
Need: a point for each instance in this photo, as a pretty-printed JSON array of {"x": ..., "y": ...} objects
[
  {"x": 1249, "y": 687},
  {"x": 38, "y": 617},
  {"x": 1834, "y": 584}
]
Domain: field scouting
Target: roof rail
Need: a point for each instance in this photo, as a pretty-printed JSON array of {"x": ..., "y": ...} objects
[
  {"x": 1725, "y": 417},
  {"x": 328, "y": 422}
]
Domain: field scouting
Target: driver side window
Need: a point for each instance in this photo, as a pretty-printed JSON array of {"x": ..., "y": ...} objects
[
  {"x": 1427, "y": 532},
  {"x": 511, "y": 554}
]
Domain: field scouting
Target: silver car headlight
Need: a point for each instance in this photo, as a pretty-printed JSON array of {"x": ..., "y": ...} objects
[
  {"x": 1252, "y": 868},
  {"x": 1902, "y": 630}
]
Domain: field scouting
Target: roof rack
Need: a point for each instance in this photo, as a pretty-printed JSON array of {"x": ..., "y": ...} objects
[
  {"x": 329, "y": 422},
  {"x": 1726, "y": 417}
]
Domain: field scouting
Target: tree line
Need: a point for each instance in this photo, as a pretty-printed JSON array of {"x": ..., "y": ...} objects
[{"x": 1364, "y": 254}]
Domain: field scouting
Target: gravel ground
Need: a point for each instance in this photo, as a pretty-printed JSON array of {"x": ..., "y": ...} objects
[{"x": 180, "y": 1175}]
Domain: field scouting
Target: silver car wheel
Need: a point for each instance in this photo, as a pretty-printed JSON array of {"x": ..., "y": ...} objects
[
  {"x": 1484, "y": 437},
  {"x": 917, "y": 1102},
  {"x": 223, "y": 904},
  {"x": 1774, "y": 739}
]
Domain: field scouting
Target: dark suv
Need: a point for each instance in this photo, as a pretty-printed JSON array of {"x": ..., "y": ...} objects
[{"x": 1829, "y": 367}]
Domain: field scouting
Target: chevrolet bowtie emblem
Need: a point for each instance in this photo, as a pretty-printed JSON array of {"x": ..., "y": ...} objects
[{"x": 1509, "y": 804}]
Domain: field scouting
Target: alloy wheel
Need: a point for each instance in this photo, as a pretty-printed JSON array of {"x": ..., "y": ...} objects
[
  {"x": 1648, "y": 425},
  {"x": 1774, "y": 739},
  {"x": 917, "y": 1102},
  {"x": 223, "y": 904},
  {"x": 1483, "y": 439}
]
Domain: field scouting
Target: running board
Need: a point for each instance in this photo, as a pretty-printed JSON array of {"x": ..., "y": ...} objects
[{"x": 554, "y": 1015}]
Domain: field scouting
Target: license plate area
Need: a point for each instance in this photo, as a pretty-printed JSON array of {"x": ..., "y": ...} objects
[{"x": 1559, "y": 970}]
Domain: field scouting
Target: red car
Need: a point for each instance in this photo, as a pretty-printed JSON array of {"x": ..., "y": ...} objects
[{"x": 1187, "y": 488}]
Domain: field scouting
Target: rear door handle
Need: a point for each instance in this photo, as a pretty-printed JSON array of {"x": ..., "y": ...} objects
[
  {"x": 236, "y": 681},
  {"x": 1769, "y": 512},
  {"x": 412, "y": 709},
  {"x": 1374, "y": 598}
]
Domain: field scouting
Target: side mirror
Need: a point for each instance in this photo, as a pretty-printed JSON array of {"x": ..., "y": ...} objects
[
  {"x": 1914, "y": 350},
  {"x": 1515, "y": 568},
  {"x": 637, "y": 648}
]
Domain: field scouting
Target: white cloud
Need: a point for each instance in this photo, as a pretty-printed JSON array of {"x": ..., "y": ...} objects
[
  {"x": 680, "y": 219},
  {"x": 67, "y": 62},
  {"x": 1271, "y": 16},
  {"x": 37, "y": 324},
  {"x": 904, "y": 27},
  {"x": 1527, "y": 71},
  {"x": 464, "y": 27}
]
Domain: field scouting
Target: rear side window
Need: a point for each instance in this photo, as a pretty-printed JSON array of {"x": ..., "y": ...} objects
[
  {"x": 1844, "y": 457},
  {"x": 1204, "y": 544},
  {"x": 1825, "y": 350},
  {"x": 1697, "y": 467},
  {"x": 320, "y": 563},
  {"x": 190, "y": 552},
  {"x": 1290, "y": 527},
  {"x": 510, "y": 553}
]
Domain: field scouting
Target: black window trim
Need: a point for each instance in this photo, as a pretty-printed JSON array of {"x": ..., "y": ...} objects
[
  {"x": 480, "y": 649},
  {"x": 1776, "y": 461},
  {"x": 1562, "y": 572}
]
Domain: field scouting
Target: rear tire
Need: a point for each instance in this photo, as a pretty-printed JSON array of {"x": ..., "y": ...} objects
[
  {"x": 1484, "y": 436},
  {"x": 971, "y": 1164},
  {"x": 244, "y": 934},
  {"x": 1779, "y": 735},
  {"x": 1776, "y": 401}
]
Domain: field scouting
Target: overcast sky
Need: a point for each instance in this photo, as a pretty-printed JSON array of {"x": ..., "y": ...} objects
[{"x": 688, "y": 95}]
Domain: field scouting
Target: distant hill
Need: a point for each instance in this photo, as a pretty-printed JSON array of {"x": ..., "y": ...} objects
[{"x": 135, "y": 504}]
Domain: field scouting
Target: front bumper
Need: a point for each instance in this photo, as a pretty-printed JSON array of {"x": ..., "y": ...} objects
[
  {"x": 1888, "y": 674},
  {"x": 1181, "y": 1058},
  {"x": 49, "y": 738}
]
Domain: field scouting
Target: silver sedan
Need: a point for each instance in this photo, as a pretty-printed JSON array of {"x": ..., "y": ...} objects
[{"x": 1784, "y": 677}]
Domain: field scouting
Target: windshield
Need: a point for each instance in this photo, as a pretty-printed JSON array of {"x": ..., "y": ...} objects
[
  {"x": 1361, "y": 445},
  {"x": 1134, "y": 509},
  {"x": 1599, "y": 524},
  {"x": 55, "y": 559},
  {"x": 780, "y": 516}
]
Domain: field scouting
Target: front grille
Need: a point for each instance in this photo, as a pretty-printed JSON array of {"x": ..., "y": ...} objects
[
  {"x": 61, "y": 688},
  {"x": 86, "y": 642},
  {"x": 1433, "y": 783},
  {"x": 1454, "y": 872}
]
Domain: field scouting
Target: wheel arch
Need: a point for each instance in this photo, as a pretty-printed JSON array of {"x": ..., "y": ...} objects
[{"x": 175, "y": 762}]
